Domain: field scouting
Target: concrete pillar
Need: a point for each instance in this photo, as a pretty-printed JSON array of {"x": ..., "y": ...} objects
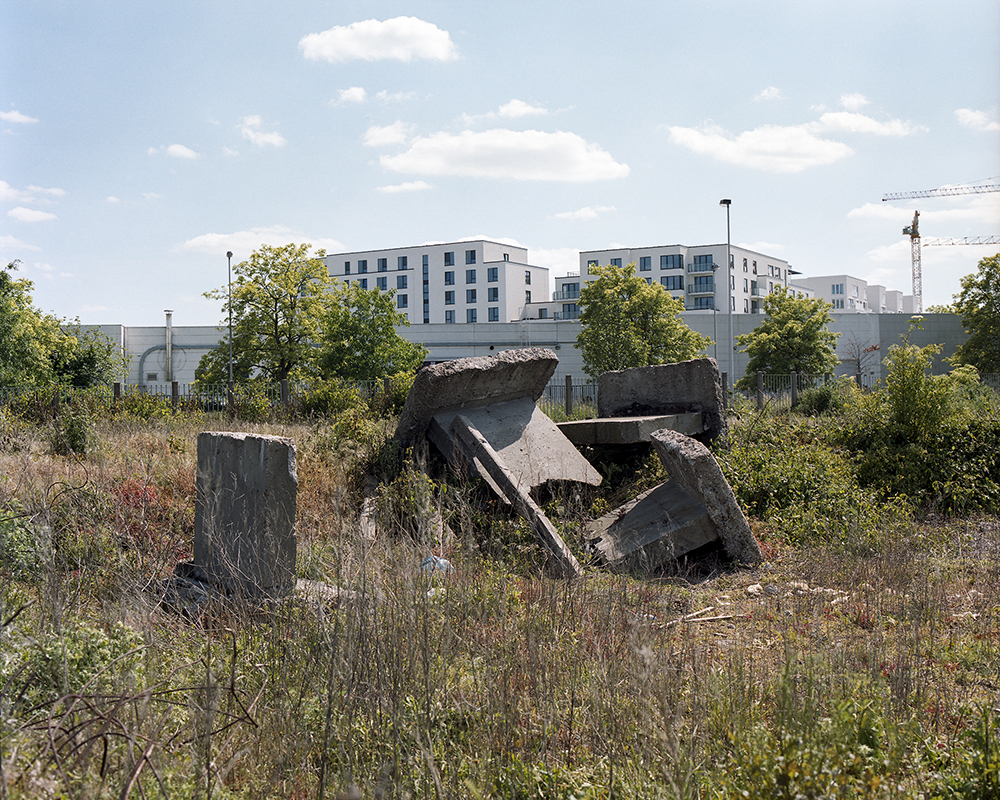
[
  {"x": 569, "y": 395},
  {"x": 795, "y": 387}
]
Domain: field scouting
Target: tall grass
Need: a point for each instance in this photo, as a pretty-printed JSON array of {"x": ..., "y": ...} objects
[{"x": 832, "y": 670}]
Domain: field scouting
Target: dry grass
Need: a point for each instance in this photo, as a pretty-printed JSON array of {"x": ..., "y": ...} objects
[{"x": 490, "y": 681}]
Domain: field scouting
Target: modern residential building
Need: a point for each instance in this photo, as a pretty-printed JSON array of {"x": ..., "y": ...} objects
[
  {"x": 450, "y": 282},
  {"x": 851, "y": 295}
]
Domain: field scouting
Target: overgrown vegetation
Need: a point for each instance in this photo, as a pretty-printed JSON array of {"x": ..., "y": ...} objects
[{"x": 861, "y": 660}]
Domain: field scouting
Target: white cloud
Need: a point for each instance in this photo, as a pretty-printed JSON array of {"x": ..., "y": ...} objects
[
  {"x": 561, "y": 260},
  {"x": 773, "y": 148},
  {"x": 12, "y": 243},
  {"x": 409, "y": 186},
  {"x": 356, "y": 94},
  {"x": 981, "y": 209},
  {"x": 854, "y": 101},
  {"x": 395, "y": 97},
  {"x": 891, "y": 252},
  {"x": 518, "y": 108},
  {"x": 9, "y": 194},
  {"x": 400, "y": 38},
  {"x": 151, "y": 196},
  {"x": 977, "y": 120},
  {"x": 770, "y": 93},
  {"x": 112, "y": 199},
  {"x": 382, "y": 135},
  {"x": 253, "y": 133},
  {"x": 851, "y": 122},
  {"x": 229, "y": 152},
  {"x": 242, "y": 243},
  {"x": 587, "y": 212},
  {"x": 180, "y": 151},
  {"x": 17, "y": 116},
  {"x": 22, "y": 214},
  {"x": 517, "y": 155}
]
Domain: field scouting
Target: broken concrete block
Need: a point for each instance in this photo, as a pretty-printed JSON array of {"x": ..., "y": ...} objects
[
  {"x": 693, "y": 467},
  {"x": 687, "y": 386},
  {"x": 628, "y": 430},
  {"x": 695, "y": 507},
  {"x": 467, "y": 383},
  {"x": 244, "y": 529},
  {"x": 659, "y": 526}
]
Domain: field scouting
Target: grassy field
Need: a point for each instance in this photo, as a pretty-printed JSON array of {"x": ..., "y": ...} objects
[{"x": 862, "y": 659}]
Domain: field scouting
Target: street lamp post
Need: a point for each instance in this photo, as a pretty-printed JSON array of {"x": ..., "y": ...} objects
[
  {"x": 729, "y": 288},
  {"x": 229, "y": 262}
]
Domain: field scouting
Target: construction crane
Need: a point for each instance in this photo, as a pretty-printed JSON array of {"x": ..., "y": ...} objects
[
  {"x": 914, "y": 233},
  {"x": 963, "y": 240},
  {"x": 945, "y": 191}
]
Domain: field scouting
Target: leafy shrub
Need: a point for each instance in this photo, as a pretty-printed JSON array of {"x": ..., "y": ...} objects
[
  {"x": 72, "y": 431},
  {"x": 826, "y": 399},
  {"x": 329, "y": 398},
  {"x": 24, "y": 548}
]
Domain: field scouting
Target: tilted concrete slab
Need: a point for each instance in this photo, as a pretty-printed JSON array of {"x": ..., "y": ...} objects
[
  {"x": 693, "y": 467},
  {"x": 659, "y": 526},
  {"x": 629, "y": 430},
  {"x": 694, "y": 507},
  {"x": 694, "y": 385},
  {"x": 526, "y": 441},
  {"x": 468, "y": 383}
]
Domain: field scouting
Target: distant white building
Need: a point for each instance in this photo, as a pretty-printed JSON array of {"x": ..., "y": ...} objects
[
  {"x": 449, "y": 283},
  {"x": 848, "y": 294}
]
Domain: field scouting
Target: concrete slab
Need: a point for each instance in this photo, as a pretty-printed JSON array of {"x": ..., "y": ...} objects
[
  {"x": 693, "y": 467},
  {"x": 468, "y": 383},
  {"x": 694, "y": 385},
  {"x": 528, "y": 444},
  {"x": 657, "y": 527},
  {"x": 629, "y": 430}
]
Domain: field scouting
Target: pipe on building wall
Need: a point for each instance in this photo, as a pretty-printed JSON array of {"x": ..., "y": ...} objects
[
  {"x": 156, "y": 347},
  {"x": 169, "y": 336}
]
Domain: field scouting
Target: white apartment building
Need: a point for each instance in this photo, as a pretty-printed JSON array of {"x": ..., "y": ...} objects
[
  {"x": 848, "y": 294},
  {"x": 449, "y": 283},
  {"x": 691, "y": 273}
]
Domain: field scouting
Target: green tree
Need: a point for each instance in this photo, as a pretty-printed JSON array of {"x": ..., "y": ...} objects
[
  {"x": 91, "y": 359},
  {"x": 28, "y": 337},
  {"x": 979, "y": 305},
  {"x": 359, "y": 338},
  {"x": 279, "y": 297},
  {"x": 630, "y": 323},
  {"x": 792, "y": 337}
]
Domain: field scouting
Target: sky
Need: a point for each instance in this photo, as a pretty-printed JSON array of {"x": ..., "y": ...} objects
[{"x": 140, "y": 141}]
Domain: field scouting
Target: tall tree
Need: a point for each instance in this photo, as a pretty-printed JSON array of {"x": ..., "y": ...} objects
[
  {"x": 979, "y": 305},
  {"x": 279, "y": 297},
  {"x": 792, "y": 337},
  {"x": 359, "y": 339},
  {"x": 630, "y": 323}
]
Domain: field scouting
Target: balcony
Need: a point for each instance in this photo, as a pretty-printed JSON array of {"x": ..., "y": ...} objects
[
  {"x": 710, "y": 267},
  {"x": 571, "y": 295},
  {"x": 702, "y": 287},
  {"x": 757, "y": 291}
]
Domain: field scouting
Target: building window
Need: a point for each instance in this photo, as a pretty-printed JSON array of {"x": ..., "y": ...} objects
[
  {"x": 449, "y": 317},
  {"x": 449, "y": 259},
  {"x": 401, "y": 262},
  {"x": 449, "y": 279},
  {"x": 492, "y": 275},
  {"x": 527, "y": 297},
  {"x": 383, "y": 264},
  {"x": 493, "y": 295},
  {"x": 506, "y": 256},
  {"x": 527, "y": 277},
  {"x": 702, "y": 263},
  {"x": 383, "y": 283},
  {"x": 591, "y": 264},
  {"x": 837, "y": 288},
  {"x": 645, "y": 264},
  {"x": 649, "y": 281},
  {"x": 401, "y": 301},
  {"x": 704, "y": 302},
  {"x": 400, "y": 281},
  {"x": 494, "y": 314},
  {"x": 470, "y": 315},
  {"x": 543, "y": 313},
  {"x": 449, "y": 298},
  {"x": 470, "y": 295},
  {"x": 745, "y": 265},
  {"x": 616, "y": 262},
  {"x": 570, "y": 311},
  {"x": 746, "y": 306},
  {"x": 470, "y": 276},
  {"x": 470, "y": 256},
  {"x": 673, "y": 261},
  {"x": 425, "y": 261},
  {"x": 347, "y": 267},
  {"x": 364, "y": 283},
  {"x": 673, "y": 283},
  {"x": 746, "y": 285},
  {"x": 704, "y": 283}
]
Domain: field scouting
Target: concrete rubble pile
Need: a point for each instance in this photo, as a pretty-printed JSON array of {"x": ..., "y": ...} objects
[{"x": 481, "y": 414}]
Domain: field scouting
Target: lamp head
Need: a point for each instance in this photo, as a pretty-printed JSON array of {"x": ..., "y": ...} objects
[
  {"x": 229, "y": 254},
  {"x": 725, "y": 202}
]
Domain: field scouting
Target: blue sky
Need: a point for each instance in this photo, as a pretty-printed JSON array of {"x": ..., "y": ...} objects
[{"x": 139, "y": 141}]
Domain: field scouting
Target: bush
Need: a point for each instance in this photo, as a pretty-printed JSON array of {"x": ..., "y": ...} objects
[
  {"x": 329, "y": 398},
  {"x": 829, "y": 398},
  {"x": 72, "y": 431}
]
